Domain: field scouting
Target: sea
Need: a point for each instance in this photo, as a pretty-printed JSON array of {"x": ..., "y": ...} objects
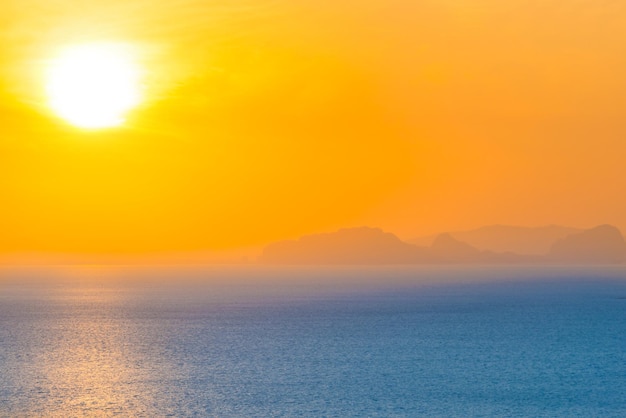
[{"x": 251, "y": 341}]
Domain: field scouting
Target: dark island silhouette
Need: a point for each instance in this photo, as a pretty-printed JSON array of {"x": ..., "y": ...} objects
[
  {"x": 346, "y": 246},
  {"x": 600, "y": 245},
  {"x": 603, "y": 244},
  {"x": 445, "y": 248},
  {"x": 504, "y": 238}
]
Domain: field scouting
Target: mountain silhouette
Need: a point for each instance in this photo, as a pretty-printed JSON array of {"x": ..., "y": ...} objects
[
  {"x": 513, "y": 239},
  {"x": 346, "y": 246},
  {"x": 446, "y": 248},
  {"x": 602, "y": 244}
]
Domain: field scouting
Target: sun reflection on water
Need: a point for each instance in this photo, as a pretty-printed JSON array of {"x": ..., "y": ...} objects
[{"x": 84, "y": 351}]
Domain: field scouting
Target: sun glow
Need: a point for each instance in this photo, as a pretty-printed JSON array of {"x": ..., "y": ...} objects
[{"x": 94, "y": 85}]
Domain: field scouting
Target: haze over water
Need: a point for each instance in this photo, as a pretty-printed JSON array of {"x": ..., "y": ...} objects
[
  {"x": 438, "y": 341},
  {"x": 444, "y": 135}
]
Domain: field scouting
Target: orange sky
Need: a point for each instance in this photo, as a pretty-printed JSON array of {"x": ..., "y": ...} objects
[{"x": 266, "y": 120}]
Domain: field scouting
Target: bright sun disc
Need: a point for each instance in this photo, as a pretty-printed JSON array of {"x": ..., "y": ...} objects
[{"x": 94, "y": 85}]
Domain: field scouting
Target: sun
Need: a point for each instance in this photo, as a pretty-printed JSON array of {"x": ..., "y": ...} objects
[{"x": 94, "y": 85}]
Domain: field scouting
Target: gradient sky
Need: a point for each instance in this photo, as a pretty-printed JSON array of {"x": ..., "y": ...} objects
[{"x": 266, "y": 120}]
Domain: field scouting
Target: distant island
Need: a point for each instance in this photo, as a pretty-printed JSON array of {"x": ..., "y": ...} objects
[
  {"x": 505, "y": 238},
  {"x": 498, "y": 244}
]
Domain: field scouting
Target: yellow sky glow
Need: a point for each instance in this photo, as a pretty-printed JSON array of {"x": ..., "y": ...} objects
[{"x": 263, "y": 120}]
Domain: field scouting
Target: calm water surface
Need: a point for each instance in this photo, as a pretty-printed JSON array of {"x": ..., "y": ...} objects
[{"x": 337, "y": 342}]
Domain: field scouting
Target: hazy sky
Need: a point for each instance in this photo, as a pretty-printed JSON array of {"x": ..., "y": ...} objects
[{"x": 266, "y": 120}]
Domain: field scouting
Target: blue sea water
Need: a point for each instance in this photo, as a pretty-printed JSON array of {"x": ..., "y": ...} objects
[{"x": 346, "y": 342}]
